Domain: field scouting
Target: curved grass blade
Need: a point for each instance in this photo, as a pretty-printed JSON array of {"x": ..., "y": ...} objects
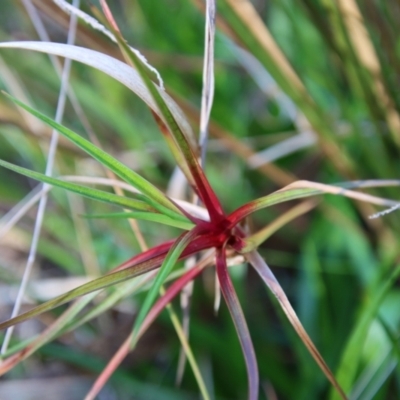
[
  {"x": 301, "y": 189},
  {"x": 269, "y": 278},
  {"x": 155, "y": 196},
  {"x": 146, "y": 216},
  {"x": 83, "y": 190},
  {"x": 93, "y": 23},
  {"x": 110, "y": 66},
  {"x": 203, "y": 187},
  {"x": 239, "y": 320}
]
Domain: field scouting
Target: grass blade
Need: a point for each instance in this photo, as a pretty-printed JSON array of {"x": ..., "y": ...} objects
[
  {"x": 82, "y": 190},
  {"x": 146, "y": 216},
  {"x": 170, "y": 260},
  {"x": 110, "y": 66},
  {"x": 126, "y": 347},
  {"x": 155, "y": 195}
]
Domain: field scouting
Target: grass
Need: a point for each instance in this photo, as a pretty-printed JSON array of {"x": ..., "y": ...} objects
[{"x": 311, "y": 73}]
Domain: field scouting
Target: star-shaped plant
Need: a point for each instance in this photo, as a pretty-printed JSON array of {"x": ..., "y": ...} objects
[{"x": 209, "y": 233}]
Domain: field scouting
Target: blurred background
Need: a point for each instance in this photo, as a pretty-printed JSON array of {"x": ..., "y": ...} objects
[{"x": 318, "y": 101}]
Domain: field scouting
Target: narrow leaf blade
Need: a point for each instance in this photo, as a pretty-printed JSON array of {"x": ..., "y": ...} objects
[
  {"x": 108, "y": 161},
  {"x": 146, "y": 216},
  {"x": 82, "y": 190},
  {"x": 166, "y": 267}
]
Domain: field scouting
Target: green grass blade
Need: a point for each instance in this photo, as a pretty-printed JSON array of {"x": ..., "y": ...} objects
[
  {"x": 146, "y": 216},
  {"x": 155, "y": 196},
  {"x": 91, "y": 193},
  {"x": 166, "y": 267}
]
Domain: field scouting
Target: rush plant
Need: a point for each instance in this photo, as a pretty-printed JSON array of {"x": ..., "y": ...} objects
[{"x": 209, "y": 234}]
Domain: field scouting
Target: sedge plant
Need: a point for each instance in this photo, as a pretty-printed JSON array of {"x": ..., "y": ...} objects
[{"x": 209, "y": 233}]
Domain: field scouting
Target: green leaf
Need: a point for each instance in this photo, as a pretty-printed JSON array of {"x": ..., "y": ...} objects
[{"x": 91, "y": 193}]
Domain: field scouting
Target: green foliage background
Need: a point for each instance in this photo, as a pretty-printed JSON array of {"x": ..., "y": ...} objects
[{"x": 335, "y": 264}]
